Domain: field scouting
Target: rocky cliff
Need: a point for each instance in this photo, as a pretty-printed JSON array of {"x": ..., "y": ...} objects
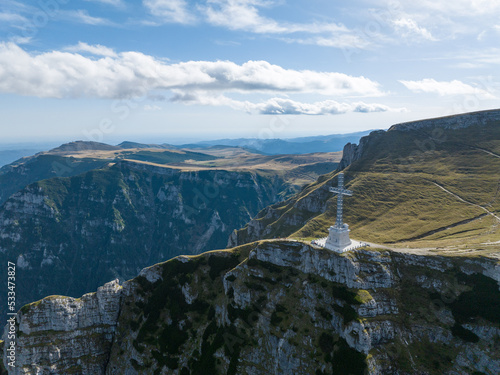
[
  {"x": 354, "y": 152},
  {"x": 279, "y": 307},
  {"x": 70, "y": 235}
]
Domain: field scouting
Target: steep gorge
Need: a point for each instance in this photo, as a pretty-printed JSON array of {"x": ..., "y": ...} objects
[{"x": 70, "y": 235}]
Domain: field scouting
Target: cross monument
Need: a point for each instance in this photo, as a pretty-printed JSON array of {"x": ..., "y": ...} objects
[{"x": 338, "y": 238}]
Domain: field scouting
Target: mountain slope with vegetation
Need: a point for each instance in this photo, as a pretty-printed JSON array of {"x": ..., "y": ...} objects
[
  {"x": 278, "y": 307},
  {"x": 70, "y": 235},
  {"x": 74, "y": 158},
  {"x": 433, "y": 183},
  {"x": 16, "y": 176}
]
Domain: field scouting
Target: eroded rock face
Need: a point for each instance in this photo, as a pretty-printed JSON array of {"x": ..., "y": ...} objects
[
  {"x": 67, "y": 335},
  {"x": 280, "y": 307}
]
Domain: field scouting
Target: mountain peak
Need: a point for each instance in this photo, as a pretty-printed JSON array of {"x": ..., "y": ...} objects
[{"x": 84, "y": 146}]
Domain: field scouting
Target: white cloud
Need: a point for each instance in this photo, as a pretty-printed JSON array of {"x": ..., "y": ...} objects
[
  {"x": 280, "y": 106},
  {"x": 347, "y": 41},
  {"x": 82, "y": 16},
  {"x": 409, "y": 28},
  {"x": 17, "y": 39},
  {"x": 63, "y": 74},
  {"x": 116, "y": 3},
  {"x": 454, "y": 8},
  {"x": 444, "y": 88},
  {"x": 244, "y": 15},
  {"x": 97, "y": 49},
  {"x": 448, "y": 20},
  {"x": 149, "y": 107},
  {"x": 170, "y": 10},
  {"x": 12, "y": 17}
]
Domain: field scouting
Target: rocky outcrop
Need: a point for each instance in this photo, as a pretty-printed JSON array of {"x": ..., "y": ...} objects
[
  {"x": 278, "y": 307},
  {"x": 67, "y": 335},
  {"x": 353, "y": 152}
]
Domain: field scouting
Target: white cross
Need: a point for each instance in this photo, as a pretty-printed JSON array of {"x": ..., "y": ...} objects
[{"x": 340, "y": 199}]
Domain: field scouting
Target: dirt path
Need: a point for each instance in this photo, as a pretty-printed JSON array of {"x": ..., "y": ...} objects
[
  {"x": 464, "y": 201},
  {"x": 487, "y": 151}
]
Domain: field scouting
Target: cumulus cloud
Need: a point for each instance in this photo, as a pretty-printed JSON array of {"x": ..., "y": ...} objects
[
  {"x": 170, "y": 10},
  {"x": 108, "y": 74},
  {"x": 281, "y": 106},
  {"x": 63, "y": 74},
  {"x": 444, "y": 88}
]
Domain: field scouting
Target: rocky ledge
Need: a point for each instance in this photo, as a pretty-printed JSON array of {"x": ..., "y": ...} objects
[{"x": 281, "y": 307}]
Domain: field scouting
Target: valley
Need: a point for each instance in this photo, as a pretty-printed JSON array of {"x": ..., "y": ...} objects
[{"x": 86, "y": 213}]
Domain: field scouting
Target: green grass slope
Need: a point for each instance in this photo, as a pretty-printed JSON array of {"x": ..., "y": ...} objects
[{"x": 425, "y": 187}]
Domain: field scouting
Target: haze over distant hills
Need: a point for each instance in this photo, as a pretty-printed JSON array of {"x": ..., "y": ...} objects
[{"x": 303, "y": 145}]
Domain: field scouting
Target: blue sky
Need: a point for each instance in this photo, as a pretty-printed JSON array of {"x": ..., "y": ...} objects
[{"x": 173, "y": 70}]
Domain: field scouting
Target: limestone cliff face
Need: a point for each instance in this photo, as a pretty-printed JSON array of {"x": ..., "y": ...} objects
[
  {"x": 279, "y": 307},
  {"x": 70, "y": 235},
  {"x": 353, "y": 152},
  {"x": 67, "y": 335}
]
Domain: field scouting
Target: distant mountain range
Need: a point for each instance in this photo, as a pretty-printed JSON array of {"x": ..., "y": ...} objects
[
  {"x": 294, "y": 146},
  {"x": 303, "y": 145}
]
